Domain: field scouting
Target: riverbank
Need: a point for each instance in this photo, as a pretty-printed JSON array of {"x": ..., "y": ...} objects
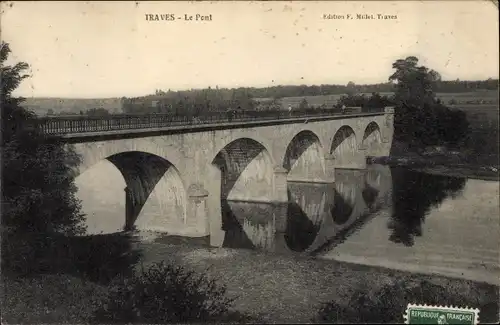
[
  {"x": 443, "y": 161},
  {"x": 269, "y": 288}
]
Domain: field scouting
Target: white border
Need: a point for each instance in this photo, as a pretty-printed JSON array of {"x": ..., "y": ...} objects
[{"x": 450, "y": 308}]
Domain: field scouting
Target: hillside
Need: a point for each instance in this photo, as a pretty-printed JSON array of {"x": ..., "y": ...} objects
[
  {"x": 489, "y": 97},
  {"x": 41, "y": 106}
]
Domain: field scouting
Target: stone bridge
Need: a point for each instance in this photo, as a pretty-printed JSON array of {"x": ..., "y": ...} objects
[{"x": 246, "y": 161}]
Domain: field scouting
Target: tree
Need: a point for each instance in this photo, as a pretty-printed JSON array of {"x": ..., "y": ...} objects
[
  {"x": 414, "y": 84},
  {"x": 303, "y": 104},
  {"x": 38, "y": 192},
  {"x": 97, "y": 112},
  {"x": 350, "y": 88},
  {"x": 420, "y": 119}
]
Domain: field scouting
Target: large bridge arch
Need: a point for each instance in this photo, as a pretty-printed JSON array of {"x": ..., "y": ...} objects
[
  {"x": 254, "y": 137},
  {"x": 154, "y": 194},
  {"x": 93, "y": 152},
  {"x": 372, "y": 139},
  {"x": 247, "y": 170},
  {"x": 304, "y": 159},
  {"x": 345, "y": 149}
]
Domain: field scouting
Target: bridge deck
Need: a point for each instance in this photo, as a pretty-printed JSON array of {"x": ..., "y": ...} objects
[{"x": 78, "y": 127}]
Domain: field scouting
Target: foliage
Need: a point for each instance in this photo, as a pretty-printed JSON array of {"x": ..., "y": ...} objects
[
  {"x": 141, "y": 104},
  {"x": 420, "y": 118},
  {"x": 191, "y": 103},
  {"x": 303, "y": 104},
  {"x": 97, "y": 258},
  {"x": 48, "y": 299},
  {"x": 38, "y": 192},
  {"x": 164, "y": 294},
  {"x": 97, "y": 112},
  {"x": 367, "y": 103},
  {"x": 388, "y": 304},
  {"x": 413, "y": 84}
]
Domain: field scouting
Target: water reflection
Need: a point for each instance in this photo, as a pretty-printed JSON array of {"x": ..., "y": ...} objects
[
  {"x": 428, "y": 224},
  {"x": 306, "y": 210},
  {"x": 414, "y": 195},
  {"x": 315, "y": 215},
  {"x": 249, "y": 225},
  {"x": 375, "y": 217}
]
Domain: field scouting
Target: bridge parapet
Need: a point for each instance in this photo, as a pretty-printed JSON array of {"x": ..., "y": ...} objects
[{"x": 88, "y": 124}]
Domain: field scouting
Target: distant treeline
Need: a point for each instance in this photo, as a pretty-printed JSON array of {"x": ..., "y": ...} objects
[
  {"x": 195, "y": 101},
  {"x": 90, "y": 112},
  {"x": 459, "y": 86},
  {"x": 191, "y": 102}
]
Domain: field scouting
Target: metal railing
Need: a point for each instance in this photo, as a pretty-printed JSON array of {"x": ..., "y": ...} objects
[{"x": 85, "y": 124}]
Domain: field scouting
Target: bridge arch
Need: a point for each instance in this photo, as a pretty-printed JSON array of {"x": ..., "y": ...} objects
[
  {"x": 344, "y": 146},
  {"x": 93, "y": 152},
  {"x": 372, "y": 139},
  {"x": 154, "y": 197},
  {"x": 304, "y": 158},
  {"x": 247, "y": 171}
]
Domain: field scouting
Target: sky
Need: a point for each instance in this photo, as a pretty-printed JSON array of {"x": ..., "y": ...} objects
[{"x": 110, "y": 49}]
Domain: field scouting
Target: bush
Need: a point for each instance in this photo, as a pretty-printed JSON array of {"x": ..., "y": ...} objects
[
  {"x": 389, "y": 303},
  {"x": 95, "y": 258},
  {"x": 38, "y": 190},
  {"x": 164, "y": 294}
]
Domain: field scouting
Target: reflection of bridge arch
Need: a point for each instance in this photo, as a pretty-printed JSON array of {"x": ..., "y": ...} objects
[
  {"x": 378, "y": 185},
  {"x": 371, "y": 189},
  {"x": 307, "y": 207},
  {"x": 372, "y": 139},
  {"x": 155, "y": 195},
  {"x": 348, "y": 201},
  {"x": 248, "y": 225},
  {"x": 304, "y": 158},
  {"x": 343, "y": 206},
  {"x": 246, "y": 171},
  {"x": 350, "y": 211}
]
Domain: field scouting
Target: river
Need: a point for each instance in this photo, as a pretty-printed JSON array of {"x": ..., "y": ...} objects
[{"x": 389, "y": 217}]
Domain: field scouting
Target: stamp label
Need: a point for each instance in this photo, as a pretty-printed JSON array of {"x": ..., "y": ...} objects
[{"x": 424, "y": 314}]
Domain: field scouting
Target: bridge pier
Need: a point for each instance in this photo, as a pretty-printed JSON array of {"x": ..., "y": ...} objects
[
  {"x": 129, "y": 210},
  {"x": 280, "y": 185},
  {"x": 197, "y": 218},
  {"x": 280, "y": 218},
  {"x": 330, "y": 168}
]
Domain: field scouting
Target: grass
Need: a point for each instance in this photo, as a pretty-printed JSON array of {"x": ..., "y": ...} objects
[
  {"x": 268, "y": 288},
  {"x": 385, "y": 305},
  {"x": 48, "y": 299}
]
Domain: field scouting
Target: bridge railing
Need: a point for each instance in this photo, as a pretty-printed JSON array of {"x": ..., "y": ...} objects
[{"x": 83, "y": 124}]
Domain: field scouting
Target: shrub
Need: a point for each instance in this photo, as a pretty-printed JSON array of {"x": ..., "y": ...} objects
[
  {"x": 389, "y": 303},
  {"x": 164, "y": 294},
  {"x": 38, "y": 190},
  {"x": 96, "y": 258}
]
